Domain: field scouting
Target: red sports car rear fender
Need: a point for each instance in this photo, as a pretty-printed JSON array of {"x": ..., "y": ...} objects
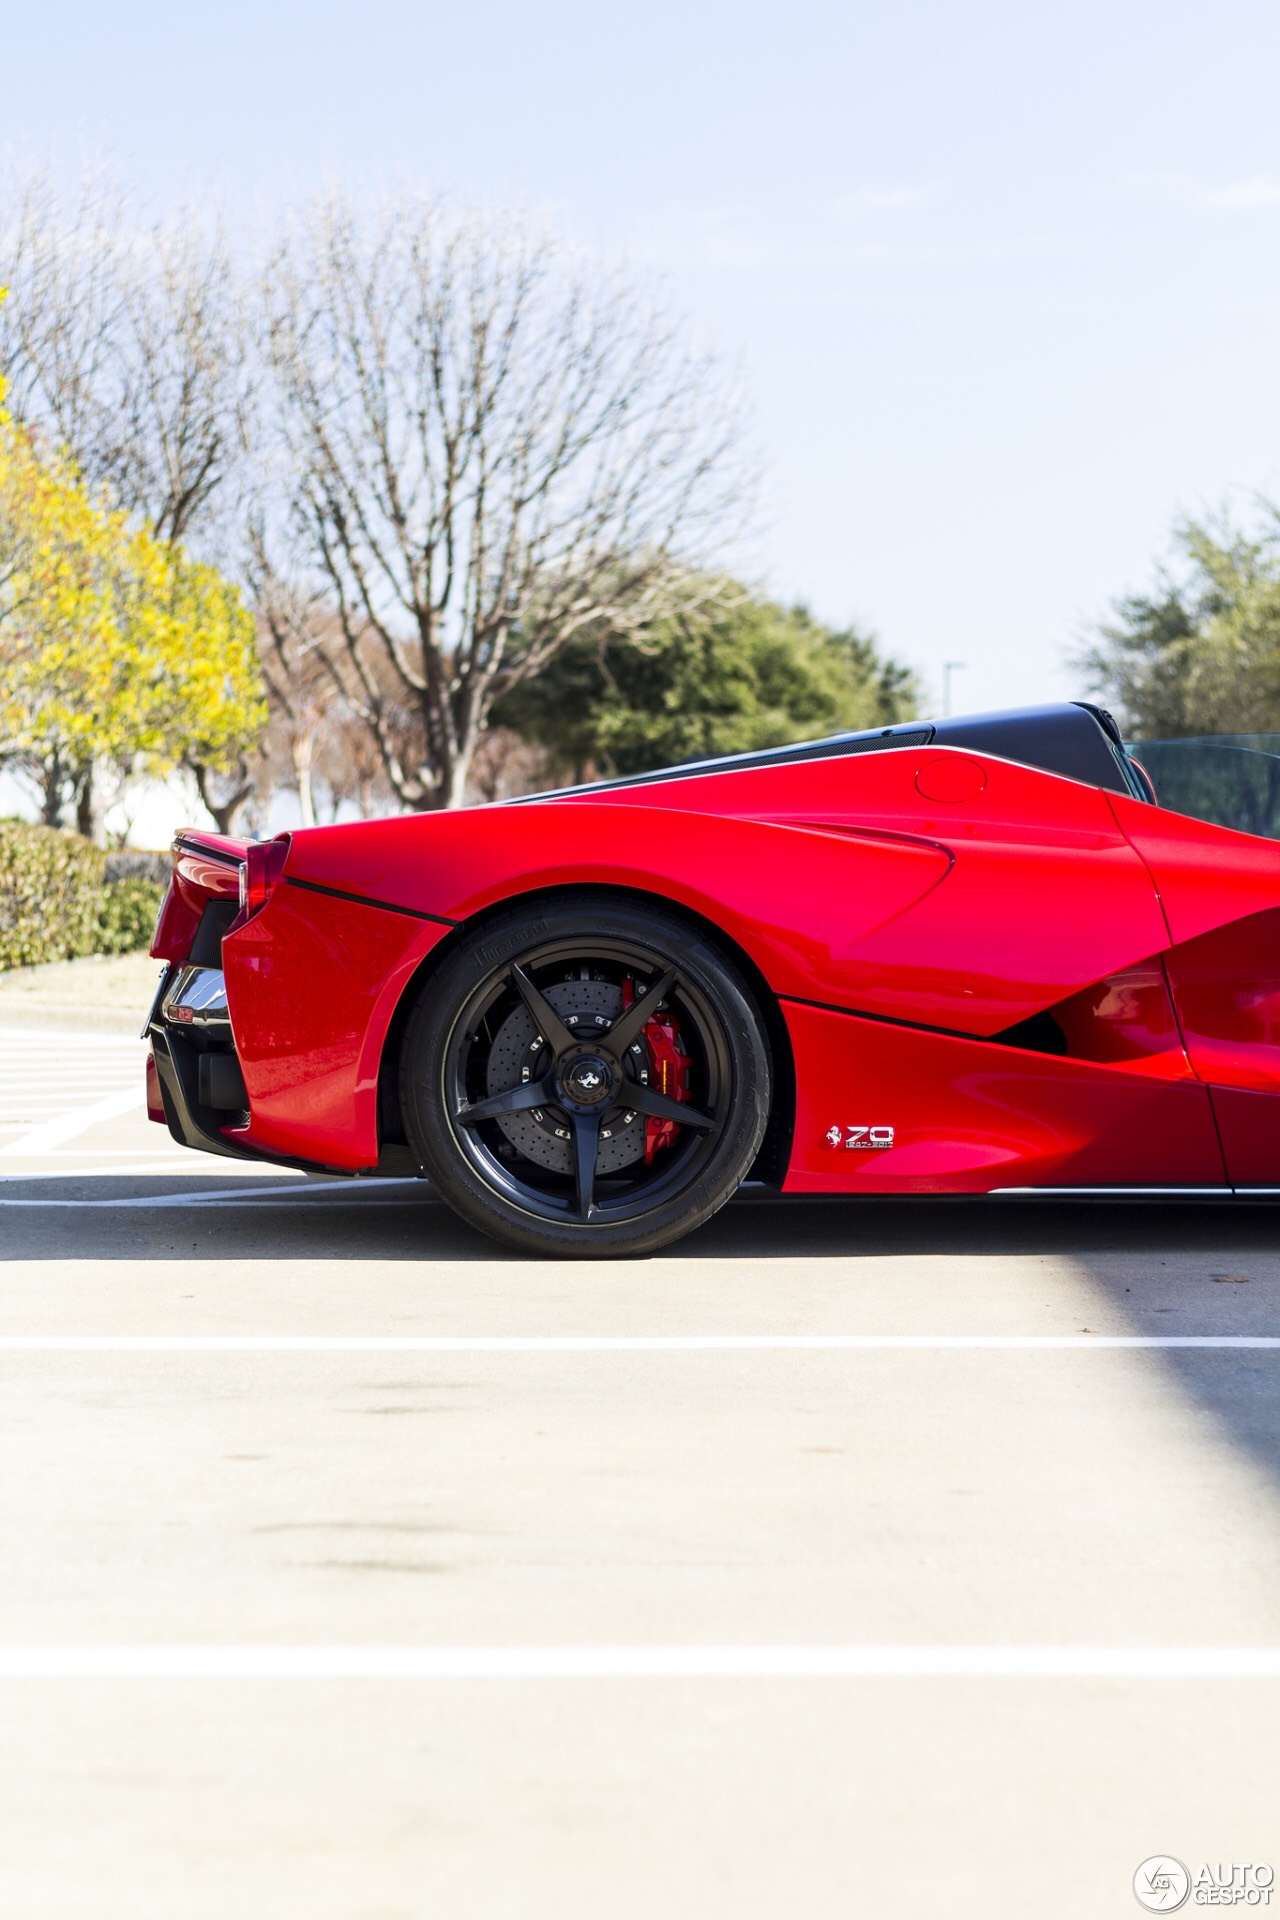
[{"x": 312, "y": 984}]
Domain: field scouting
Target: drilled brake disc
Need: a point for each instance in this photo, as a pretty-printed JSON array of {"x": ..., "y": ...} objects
[{"x": 587, "y": 1007}]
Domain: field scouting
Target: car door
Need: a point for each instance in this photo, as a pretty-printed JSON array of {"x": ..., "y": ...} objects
[
  {"x": 1220, "y": 890},
  {"x": 1013, "y": 1024}
]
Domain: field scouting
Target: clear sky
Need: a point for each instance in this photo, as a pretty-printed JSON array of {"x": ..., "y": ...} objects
[{"x": 1005, "y": 278}]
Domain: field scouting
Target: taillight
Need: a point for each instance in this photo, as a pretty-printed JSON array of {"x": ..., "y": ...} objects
[{"x": 262, "y": 866}]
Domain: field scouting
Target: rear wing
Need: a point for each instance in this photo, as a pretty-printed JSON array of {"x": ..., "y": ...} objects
[{"x": 202, "y": 899}]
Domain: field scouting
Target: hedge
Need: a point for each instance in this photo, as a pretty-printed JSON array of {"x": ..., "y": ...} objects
[
  {"x": 54, "y": 904},
  {"x": 132, "y": 865},
  {"x": 127, "y": 915}
]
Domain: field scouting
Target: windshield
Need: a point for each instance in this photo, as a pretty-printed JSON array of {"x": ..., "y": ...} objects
[{"x": 1231, "y": 779}]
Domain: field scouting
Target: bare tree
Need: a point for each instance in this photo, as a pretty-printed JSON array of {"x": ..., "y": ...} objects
[
  {"x": 299, "y": 642},
  {"x": 505, "y": 764},
  {"x": 318, "y": 746},
  {"x": 496, "y": 448},
  {"x": 127, "y": 345},
  {"x": 349, "y": 768},
  {"x": 226, "y": 792}
]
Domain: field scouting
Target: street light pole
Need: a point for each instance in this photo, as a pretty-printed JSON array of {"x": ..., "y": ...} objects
[{"x": 948, "y": 668}]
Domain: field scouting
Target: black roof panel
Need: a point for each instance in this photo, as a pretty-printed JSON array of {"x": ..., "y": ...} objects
[{"x": 1070, "y": 738}]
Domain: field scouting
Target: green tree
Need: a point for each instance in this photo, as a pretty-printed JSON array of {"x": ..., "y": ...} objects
[
  {"x": 744, "y": 673},
  {"x": 1201, "y": 652},
  {"x": 116, "y": 648}
]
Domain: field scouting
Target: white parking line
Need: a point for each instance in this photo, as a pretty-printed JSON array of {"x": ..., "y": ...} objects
[
  {"x": 197, "y": 1343},
  {"x": 57, "y": 1085},
  {"x": 37, "y": 1087},
  {"x": 165, "y": 1161},
  {"x": 638, "y": 1663},
  {"x": 168, "y": 1157},
  {"x": 299, "y": 1189},
  {"x": 53, "y": 1133},
  {"x": 34, "y": 1040}
]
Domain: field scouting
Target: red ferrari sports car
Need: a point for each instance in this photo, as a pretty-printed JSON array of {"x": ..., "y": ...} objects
[{"x": 959, "y": 956}]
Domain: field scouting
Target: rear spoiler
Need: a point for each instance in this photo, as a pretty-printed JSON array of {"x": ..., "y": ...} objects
[{"x": 202, "y": 900}]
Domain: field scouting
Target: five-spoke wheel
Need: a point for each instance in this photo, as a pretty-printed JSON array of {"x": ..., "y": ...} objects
[{"x": 590, "y": 1077}]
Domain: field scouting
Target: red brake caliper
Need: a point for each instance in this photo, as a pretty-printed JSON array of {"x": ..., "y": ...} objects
[{"x": 668, "y": 1071}]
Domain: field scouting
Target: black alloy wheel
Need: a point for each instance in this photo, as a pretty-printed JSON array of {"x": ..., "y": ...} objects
[{"x": 585, "y": 1077}]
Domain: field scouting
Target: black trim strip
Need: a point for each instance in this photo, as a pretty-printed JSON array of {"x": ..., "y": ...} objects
[
  {"x": 888, "y": 1020},
  {"x": 363, "y": 900},
  {"x": 208, "y": 853},
  {"x": 905, "y": 734},
  {"x": 1071, "y": 739},
  {"x": 161, "y": 988}
]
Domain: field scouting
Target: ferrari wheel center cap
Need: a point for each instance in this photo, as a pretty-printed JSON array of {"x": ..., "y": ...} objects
[{"x": 589, "y": 1080}]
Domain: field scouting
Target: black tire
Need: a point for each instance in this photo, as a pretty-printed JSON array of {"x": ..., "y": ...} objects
[{"x": 577, "y": 1151}]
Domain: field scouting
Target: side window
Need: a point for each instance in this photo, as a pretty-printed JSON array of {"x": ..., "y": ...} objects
[{"x": 1231, "y": 782}]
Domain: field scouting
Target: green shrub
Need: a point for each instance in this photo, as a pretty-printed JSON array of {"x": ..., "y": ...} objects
[
  {"x": 127, "y": 915},
  {"x": 50, "y": 888},
  {"x": 129, "y": 863}
]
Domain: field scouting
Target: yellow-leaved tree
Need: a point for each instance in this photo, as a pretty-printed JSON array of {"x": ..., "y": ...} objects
[{"x": 117, "y": 650}]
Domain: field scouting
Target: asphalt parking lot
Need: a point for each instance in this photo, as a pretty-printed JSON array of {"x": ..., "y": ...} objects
[{"x": 847, "y": 1560}]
